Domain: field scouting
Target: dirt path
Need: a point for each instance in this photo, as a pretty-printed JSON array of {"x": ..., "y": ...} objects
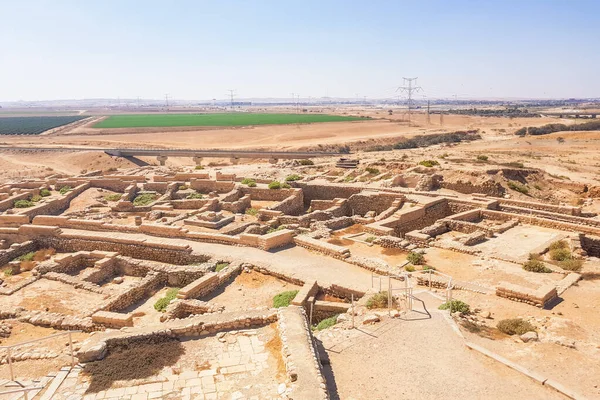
[{"x": 418, "y": 359}]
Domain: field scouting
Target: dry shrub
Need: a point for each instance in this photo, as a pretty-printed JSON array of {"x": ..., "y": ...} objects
[
  {"x": 515, "y": 326},
  {"x": 138, "y": 361}
]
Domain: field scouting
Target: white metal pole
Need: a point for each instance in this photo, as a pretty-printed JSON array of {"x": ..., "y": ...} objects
[
  {"x": 10, "y": 367},
  {"x": 352, "y": 310}
]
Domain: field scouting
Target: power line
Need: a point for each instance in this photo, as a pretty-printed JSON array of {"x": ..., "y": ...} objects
[
  {"x": 296, "y": 100},
  {"x": 167, "y": 100},
  {"x": 409, "y": 90},
  {"x": 231, "y": 95}
]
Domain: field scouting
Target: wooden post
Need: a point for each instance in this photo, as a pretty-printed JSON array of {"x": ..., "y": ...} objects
[
  {"x": 352, "y": 310},
  {"x": 12, "y": 375},
  {"x": 71, "y": 348}
]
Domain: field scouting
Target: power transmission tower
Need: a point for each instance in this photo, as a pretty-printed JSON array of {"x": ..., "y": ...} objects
[
  {"x": 167, "y": 100},
  {"x": 231, "y": 95},
  {"x": 296, "y": 101},
  {"x": 409, "y": 89},
  {"x": 428, "y": 120}
]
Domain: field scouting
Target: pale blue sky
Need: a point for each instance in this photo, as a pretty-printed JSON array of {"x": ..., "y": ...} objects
[{"x": 77, "y": 49}]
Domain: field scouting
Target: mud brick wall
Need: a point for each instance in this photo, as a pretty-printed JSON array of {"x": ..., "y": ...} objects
[
  {"x": 364, "y": 202},
  {"x": 326, "y": 191},
  {"x": 141, "y": 250},
  {"x": 567, "y": 210},
  {"x": 206, "y": 185},
  {"x": 291, "y": 205},
  {"x": 490, "y": 188},
  {"x": 545, "y": 222},
  {"x": 323, "y": 247},
  {"x": 591, "y": 244},
  {"x": 267, "y": 194},
  {"x": 13, "y": 220},
  {"x": 115, "y": 185},
  {"x": 433, "y": 212},
  {"x": 9, "y": 203},
  {"x": 238, "y": 206},
  {"x": 144, "y": 288},
  {"x": 56, "y": 206},
  {"x": 276, "y": 239},
  {"x": 552, "y": 215},
  {"x": 17, "y": 250}
]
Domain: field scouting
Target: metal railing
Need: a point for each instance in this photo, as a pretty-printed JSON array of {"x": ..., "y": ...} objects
[
  {"x": 9, "y": 348},
  {"x": 26, "y": 391}
]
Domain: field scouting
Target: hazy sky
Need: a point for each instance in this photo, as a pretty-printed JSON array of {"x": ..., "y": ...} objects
[{"x": 77, "y": 49}]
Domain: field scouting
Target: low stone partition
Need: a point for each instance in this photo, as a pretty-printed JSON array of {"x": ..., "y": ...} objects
[
  {"x": 300, "y": 356},
  {"x": 276, "y": 239},
  {"x": 10, "y": 201},
  {"x": 291, "y": 205},
  {"x": 467, "y": 216},
  {"x": 55, "y": 206},
  {"x": 180, "y": 308},
  {"x": 391, "y": 242},
  {"x": 14, "y": 220},
  {"x": 58, "y": 321},
  {"x": 468, "y": 227},
  {"x": 238, "y": 206},
  {"x": 16, "y": 250},
  {"x": 567, "y": 210},
  {"x": 551, "y": 215},
  {"x": 207, "y": 186},
  {"x": 545, "y": 222},
  {"x": 326, "y": 309},
  {"x": 96, "y": 347},
  {"x": 371, "y": 264},
  {"x": 209, "y": 282},
  {"x": 112, "y": 319},
  {"x": 436, "y": 229},
  {"x": 38, "y": 230},
  {"x": 541, "y": 297},
  {"x": 147, "y": 286},
  {"x": 590, "y": 244},
  {"x": 472, "y": 239},
  {"x": 73, "y": 281},
  {"x": 309, "y": 289},
  {"x": 329, "y": 249},
  {"x": 417, "y": 237}
]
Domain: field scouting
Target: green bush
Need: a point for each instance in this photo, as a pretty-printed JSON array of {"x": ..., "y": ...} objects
[
  {"x": 409, "y": 268},
  {"x": 221, "y": 266},
  {"x": 482, "y": 157},
  {"x": 371, "y": 239},
  {"x": 515, "y": 164},
  {"x": 183, "y": 187},
  {"x": 251, "y": 211},
  {"x": 285, "y": 186},
  {"x": 515, "y": 326},
  {"x": 198, "y": 167},
  {"x": 372, "y": 171},
  {"x": 144, "y": 199},
  {"x": 8, "y": 272},
  {"x": 306, "y": 162},
  {"x": 195, "y": 195},
  {"x": 535, "y": 265},
  {"x": 284, "y": 299},
  {"x": 65, "y": 189},
  {"x": 275, "y": 185},
  {"x": 113, "y": 197},
  {"x": 326, "y": 323},
  {"x": 247, "y": 181},
  {"x": 379, "y": 300},
  {"x": 415, "y": 258},
  {"x": 35, "y": 198},
  {"x": 428, "y": 267},
  {"x": 571, "y": 265},
  {"x": 271, "y": 230},
  {"x": 27, "y": 256},
  {"x": 292, "y": 178},
  {"x": 45, "y": 192},
  {"x": 518, "y": 187},
  {"x": 560, "y": 244},
  {"x": 348, "y": 179},
  {"x": 456, "y": 306},
  {"x": 23, "y": 204},
  {"x": 561, "y": 254},
  {"x": 429, "y": 163},
  {"x": 252, "y": 184},
  {"x": 162, "y": 303}
]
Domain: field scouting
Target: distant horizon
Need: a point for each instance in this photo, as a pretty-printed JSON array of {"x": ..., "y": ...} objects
[{"x": 509, "y": 49}]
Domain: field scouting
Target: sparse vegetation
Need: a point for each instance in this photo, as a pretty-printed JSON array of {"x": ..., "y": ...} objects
[
  {"x": 482, "y": 158},
  {"x": 429, "y": 140},
  {"x": 429, "y": 163},
  {"x": 279, "y": 228},
  {"x": 515, "y": 326},
  {"x": 23, "y": 203},
  {"x": 551, "y": 128},
  {"x": 571, "y": 265},
  {"x": 198, "y": 167},
  {"x": 326, "y": 323},
  {"x": 292, "y": 178},
  {"x": 285, "y": 186},
  {"x": 428, "y": 267},
  {"x": 113, "y": 197},
  {"x": 514, "y": 185},
  {"x": 456, "y": 306},
  {"x": 248, "y": 181},
  {"x": 144, "y": 199},
  {"x": 251, "y": 211},
  {"x": 8, "y": 272},
  {"x": 284, "y": 299},
  {"x": 306, "y": 162},
  {"x": 27, "y": 256},
  {"x": 379, "y": 300},
  {"x": 45, "y": 192},
  {"x": 415, "y": 258},
  {"x": 35, "y": 198},
  {"x": 221, "y": 266},
  {"x": 183, "y": 187},
  {"x": 409, "y": 268},
  {"x": 371, "y": 239},
  {"x": 535, "y": 265},
  {"x": 275, "y": 185},
  {"x": 514, "y": 164},
  {"x": 64, "y": 190},
  {"x": 252, "y": 184},
  {"x": 195, "y": 195},
  {"x": 560, "y": 254},
  {"x": 162, "y": 303},
  {"x": 372, "y": 171}
]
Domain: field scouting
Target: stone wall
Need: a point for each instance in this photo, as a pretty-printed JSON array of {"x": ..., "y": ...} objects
[
  {"x": 366, "y": 201},
  {"x": 209, "y": 282},
  {"x": 329, "y": 249},
  {"x": 276, "y": 239},
  {"x": 291, "y": 205},
  {"x": 56, "y": 206},
  {"x": 207, "y": 186},
  {"x": 16, "y": 250},
  {"x": 326, "y": 191},
  {"x": 591, "y": 244},
  {"x": 541, "y": 297},
  {"x": 149, "y": 285}
]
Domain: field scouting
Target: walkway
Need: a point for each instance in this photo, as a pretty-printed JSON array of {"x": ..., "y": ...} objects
[{"x": 296, "y": 261}]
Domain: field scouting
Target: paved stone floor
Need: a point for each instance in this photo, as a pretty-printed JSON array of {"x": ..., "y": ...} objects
[{"x": 235, "y": 365}]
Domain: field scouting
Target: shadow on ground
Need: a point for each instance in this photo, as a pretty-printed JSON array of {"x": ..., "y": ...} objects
[{"x": 134, "y": 362}]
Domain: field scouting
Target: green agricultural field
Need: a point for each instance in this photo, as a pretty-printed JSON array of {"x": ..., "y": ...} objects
[
  {"x": 34, "y": 125},
  {"x": 222, "y": 119}
]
